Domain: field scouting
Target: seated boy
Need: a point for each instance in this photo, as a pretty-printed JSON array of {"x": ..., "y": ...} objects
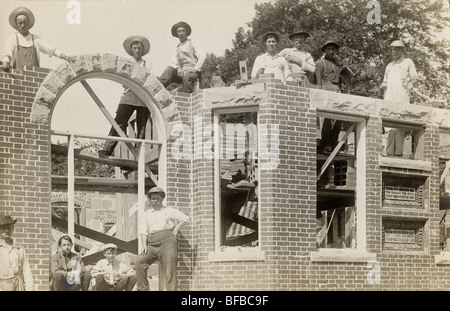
[{"x": 111, "y": 274}]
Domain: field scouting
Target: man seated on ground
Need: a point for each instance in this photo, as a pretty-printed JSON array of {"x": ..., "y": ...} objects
[{"x": 111, "y": 274}]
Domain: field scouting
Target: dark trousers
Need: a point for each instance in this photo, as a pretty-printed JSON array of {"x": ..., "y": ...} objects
[
  {"x": 170, "y": 76},
  {"x": 161, "y": 246},
  {"x": 330, "y": 134},
  {"x": 60, "y": 283},
  {"x": 123, "y": 114},
  {"x": 126, "y": 283}
]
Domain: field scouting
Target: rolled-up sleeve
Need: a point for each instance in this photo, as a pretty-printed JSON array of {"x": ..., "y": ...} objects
[
  {"x": 46, "y": 47},
  {"x": 178, "y": 216},
  {"x": 9, "y": 48},
  {"x": 200, "y": 54}
]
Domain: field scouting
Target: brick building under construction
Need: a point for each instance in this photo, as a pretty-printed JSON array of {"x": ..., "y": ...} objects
[{"x": 354, "y": 219}]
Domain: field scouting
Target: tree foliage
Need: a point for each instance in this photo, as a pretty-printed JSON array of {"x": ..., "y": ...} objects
[
  {"x": 82, "y": 167},
  {"x": 364, "y": 46}
]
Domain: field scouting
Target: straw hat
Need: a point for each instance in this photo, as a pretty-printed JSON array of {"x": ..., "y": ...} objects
[
  {"x": 132, "y": 39},
  {"x": 181, "y": 24},
  {"x": 21, "y": 11}
]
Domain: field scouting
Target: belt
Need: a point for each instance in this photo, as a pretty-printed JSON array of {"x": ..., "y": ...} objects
[{"x": 160, "y": 231}]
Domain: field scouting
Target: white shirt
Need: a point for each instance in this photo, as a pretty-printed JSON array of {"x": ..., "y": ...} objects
[
  {"x": 271, "y": 64},
  {"x": 14, "y": 262},
  {"x": 26, "y": 41},
  {"x": 397, "y": 76},
  {"x": 162, "y": 219},
  {"x": 192, "y": 49},
  {"x": 308, "y": 63},
  {"x": 103, "y": 265}
]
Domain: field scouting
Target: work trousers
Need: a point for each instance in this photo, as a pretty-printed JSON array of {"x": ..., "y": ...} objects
[
  {"x": 394, "y": 142},
  {"x": 60, "y": 283},
  {"x": 126, "y": 283},
  {"x": 161, "y": 246},
  {"x": 123, "y": 114},
  {"x": 187, "y": 81}
]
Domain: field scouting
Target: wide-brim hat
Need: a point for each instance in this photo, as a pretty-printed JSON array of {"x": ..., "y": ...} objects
[
  {"x": 108, "y": 246},
  {"x": 132, "y": 39},
  {"x": 264, "y": 36},
  {"x": 7, "y": 220},
  {"x": 181, "y": 24},
  {"x": 21, "y": 11},
  {"x": 330, "y": 43},
  {"x": 156, "y": 190},
  {"x": 398, "y": 44},
  {"x": 298, "y": 32}
]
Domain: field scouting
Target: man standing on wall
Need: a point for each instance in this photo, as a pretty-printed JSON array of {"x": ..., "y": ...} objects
[
  {"x": 187, "y": 60},
  {"x": 300, "y": 61},
  {"x": 15, "y": 272},
  {"x": 159, "y": 240},
  {"x": 137, "y": 47},
  {"x": 399, "y": 79},
  {"x": 22, "y": 48},
  {"x": 328, "y": 75}
]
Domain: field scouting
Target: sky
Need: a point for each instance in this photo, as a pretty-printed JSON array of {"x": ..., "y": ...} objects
[{"x": 104, "y": 25}]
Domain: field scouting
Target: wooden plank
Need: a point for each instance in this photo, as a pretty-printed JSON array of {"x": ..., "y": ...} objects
[
  {"x": 100, "y": 184},
  {"x": 103, "y": 137},
  {"x": 116, "y": 127},
  {"x": 341, "y": 116},
  {"x": 243, "y": 221},
  {"x": 243, "y": 239},
  {"x": 98, "y": 236},
  {"x": 445, "y": 172},
  {"x": 141, "y": 192},
  {"x": 88, "y": 156},
  {"x": 335, "y": 151},
  {"x": 71, "y": 187}
]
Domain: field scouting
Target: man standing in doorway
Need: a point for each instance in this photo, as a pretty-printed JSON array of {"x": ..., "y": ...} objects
[
  {"x": 159, "y": 240},
  {"x": 187, "y": 60},
  {"x": 399, "y": 79},
  {"x": 328, "y": 74}
]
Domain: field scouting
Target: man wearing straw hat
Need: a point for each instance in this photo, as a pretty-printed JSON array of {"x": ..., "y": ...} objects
[
  {"x": 399, "y": 79},
  {"x": 187, "y": 60},
  {"x": 15, "y": 272},
  {"x": 300, "y": 61},
  {"x": 137, "y": 47},
  {"x": 159, "y": 240},
  {"x": 22, "y": 47}
]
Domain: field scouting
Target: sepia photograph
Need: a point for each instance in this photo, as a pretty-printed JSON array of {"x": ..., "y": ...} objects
[{"x": 208, "y": 146}]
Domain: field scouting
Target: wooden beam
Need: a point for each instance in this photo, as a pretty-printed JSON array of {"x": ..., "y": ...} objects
[
  {"x": 100, "y": 184},
  {"x": 116, "y": 127},
  {"x": 130, "y": 246},
  {"x": 88, "y": 156},
  {"x": 71, "y": 187},
  {"x": 246, "y": 222},
  {"x": 444, "y": 173},
  {"x": 242, "y": 240},
  {"x": 335, "y": 151}
]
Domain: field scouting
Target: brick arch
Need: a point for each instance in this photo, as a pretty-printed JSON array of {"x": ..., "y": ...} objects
[
  {"x": 60, "y": 197},
  {"x": 110, "y": 67}
]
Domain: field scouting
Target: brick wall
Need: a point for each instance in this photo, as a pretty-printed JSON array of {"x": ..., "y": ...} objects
[
  {"x": 287, "y": 193},
  {"x": 24, "y": 163}
]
